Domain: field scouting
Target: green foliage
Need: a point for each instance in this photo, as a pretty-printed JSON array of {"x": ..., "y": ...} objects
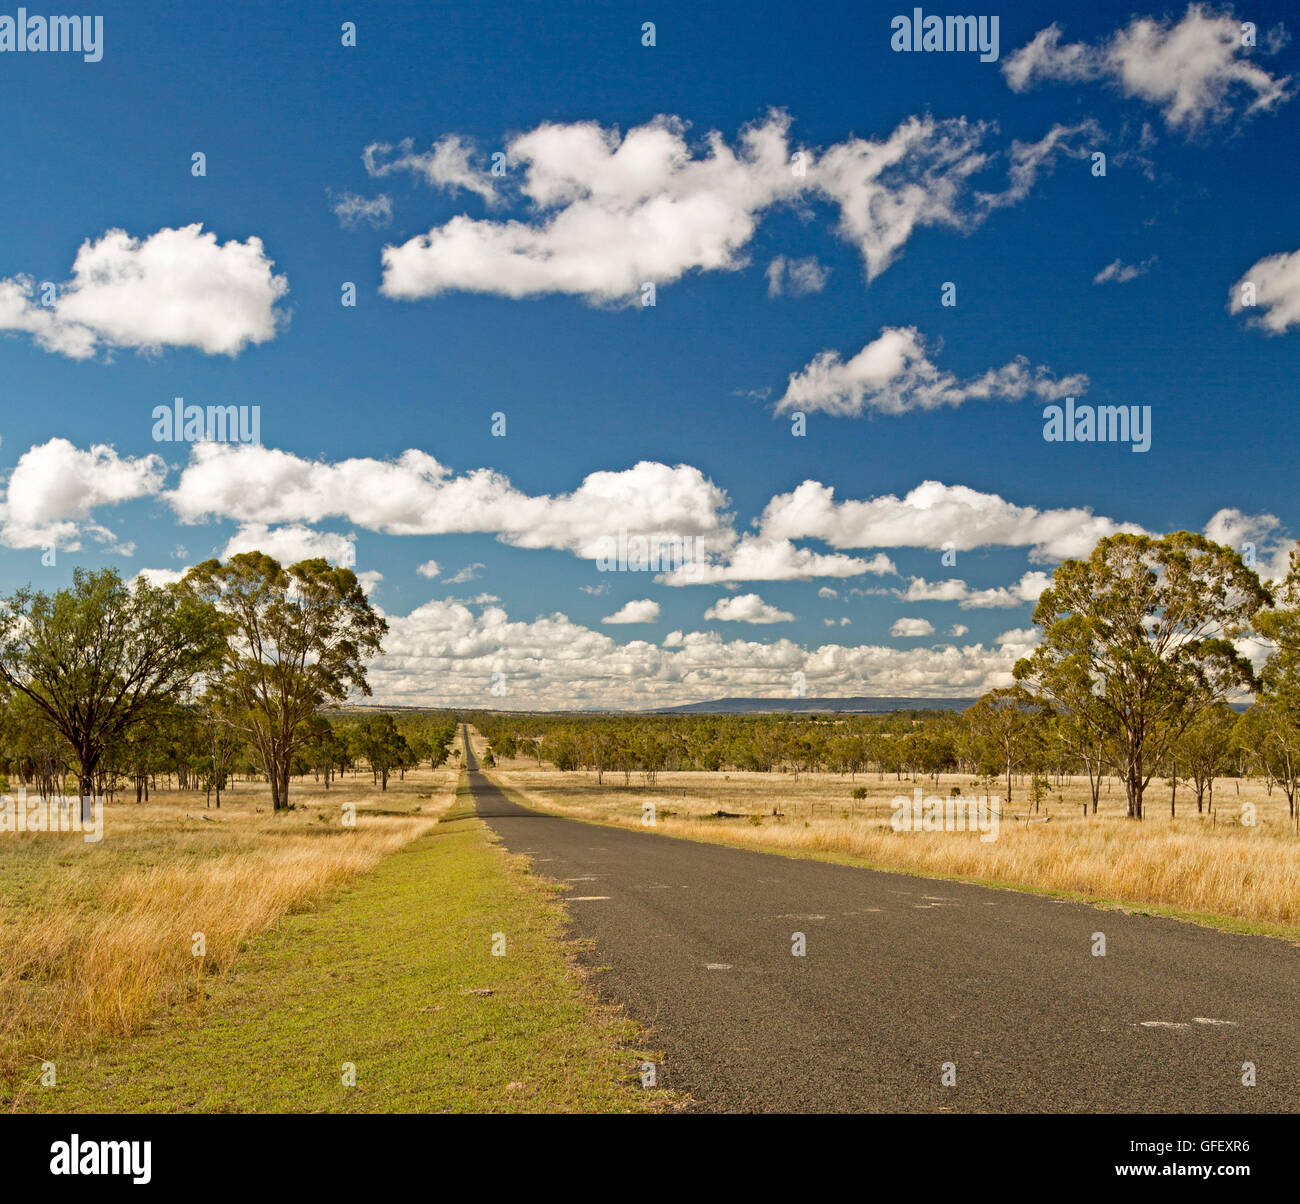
[
  {"x": 1138, "y": 638},
  {"x": 296, "y": 640}
]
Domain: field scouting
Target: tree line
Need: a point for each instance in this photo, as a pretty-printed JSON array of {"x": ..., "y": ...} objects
[
  {"x": 1141, "y": 653},
  {"x": 1142, "y": 646},
  {"x": 223, "y": 673}
]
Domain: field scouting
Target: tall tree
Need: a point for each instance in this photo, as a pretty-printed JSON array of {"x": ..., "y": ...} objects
[
  {"x": 1204, "y": 750},
  {"x": 1003, "y": 725},
  {"x": 383, "y": 746},
  {"x": 97, "y": 658},
  {"x": 296, "y": 640},
  {"x": 1149, "y": 624}
]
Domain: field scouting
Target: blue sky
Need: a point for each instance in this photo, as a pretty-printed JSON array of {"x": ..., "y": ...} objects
[{"x": 498, "y": 310}]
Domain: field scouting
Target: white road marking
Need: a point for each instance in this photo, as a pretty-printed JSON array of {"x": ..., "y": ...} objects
[
  {"x": 1164, "y": 1024},
  {"x": 717, "y": 966},
  {"x": 587, "y": 898},
  {"x": 1207, "y": 1020}
]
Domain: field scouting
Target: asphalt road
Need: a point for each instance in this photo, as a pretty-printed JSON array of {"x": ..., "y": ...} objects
[{"x": 904, "y": 974}]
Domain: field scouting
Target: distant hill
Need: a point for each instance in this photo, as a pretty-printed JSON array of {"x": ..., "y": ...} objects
[{"x": 873, "y": 706}]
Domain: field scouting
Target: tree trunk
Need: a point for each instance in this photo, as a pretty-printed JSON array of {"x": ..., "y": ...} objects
[{"x": 86, "y": 786}]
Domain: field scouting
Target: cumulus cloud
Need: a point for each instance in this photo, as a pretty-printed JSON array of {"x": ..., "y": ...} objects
[
  {"x": 176, "y": 288},
  {"x": 276, "y": 498},
  {"x": 447, "y": 164},
  {"x": 293, "y": 543},
  {"x": 757, "y": 558},
  {"x": 1259, "y": 538},
  {"x": 643, "y": 610},
  {"x": 468, "y": 573},
  {"x": 894, "y": 374},
  {"x": 607, "y": 213},
  {"x": 1119, "y": 272},
  {"x": 911, "y": 628},
  {"x": 919, "y": 176},
  {"x": 1195, "y": 70},
  {"x": 931, "y": 516},
  {"x": 953, "y": 589},
  {"x": 797, "y": 277},
  {"x": 416, "y": 495},
  {"x": 443, "y": 654},
  {"x": 430, "y": 569},
  {"x": 55, "y": 487},
  {"x": 352, "y": 210},
  {"x": 161, "y": 577},
  {"x": 957, "y": 630},
  {"x": 1275, "y": 284},
  {"x": 746, "y": 608}
]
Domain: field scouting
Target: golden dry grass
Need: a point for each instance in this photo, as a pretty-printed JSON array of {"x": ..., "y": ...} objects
[
  {"x": 95, "y": 939},
  {"x": 1204, "y": 866}
]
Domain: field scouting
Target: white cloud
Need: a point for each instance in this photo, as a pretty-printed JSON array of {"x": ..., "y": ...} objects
[
  {"x": 746, "y": 608},
  {"x": 293, "y": 543},
  {"x": 893, "y": 375},
  {"x": 1276, "y": 281},
  {"x": 1257, "y": 537},
  {"x": 1119, "y": 272},
  {"x": 613, "y": 214},
  {"x": 444, "y": 654},
  {"x": 919, "y": 175},
  {"x": 447, "y": 164},
  {"x": 1019, "y": 640},
  {"x": 953, "y": 589},
  {"x": 609, "y": 213},
  {"x": 1196, "y": 71},
  {"x": 272, "y": 495},
  {"x": 352, "y": 210},
  {"x": 957, "y": 630},
  {"x": 797, "y": 277},
  {"x": 162, "y": 577},
  {"x": 827, "y": 592},
  {"x": 758, "y": 558},
  {"x": 175, "y": 288},
  {"x": 911, "y": 628},
  {"x": 55, "y": 487},
  {"x": 931, "y": 515},
  {"x": 643, "y": 610},
  {"x": 468, "y": 573},
  {"x": 430, "y": 569},
  {"x": 416, "y": 495},
  {"x": 595, "y": 590}
]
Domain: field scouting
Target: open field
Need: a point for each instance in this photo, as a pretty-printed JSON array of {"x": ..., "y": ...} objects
[
  {"x": 97, "y": 939},
  {"x": 396, "y": 978},
  {"x": 1209, "y": 867}
]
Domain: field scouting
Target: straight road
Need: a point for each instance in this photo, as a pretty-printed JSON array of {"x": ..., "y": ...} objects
[{"x": 903, "y": 975}]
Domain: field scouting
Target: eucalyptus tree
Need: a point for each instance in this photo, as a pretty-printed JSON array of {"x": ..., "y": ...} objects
[
  {"x": 297, "y": 639},
  {"x": 101, "y": 656},
  {"x": 1003, "y": 724},
  {"x": 1204, "y": 750},
  {"x": 1147, "y": 625}
]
